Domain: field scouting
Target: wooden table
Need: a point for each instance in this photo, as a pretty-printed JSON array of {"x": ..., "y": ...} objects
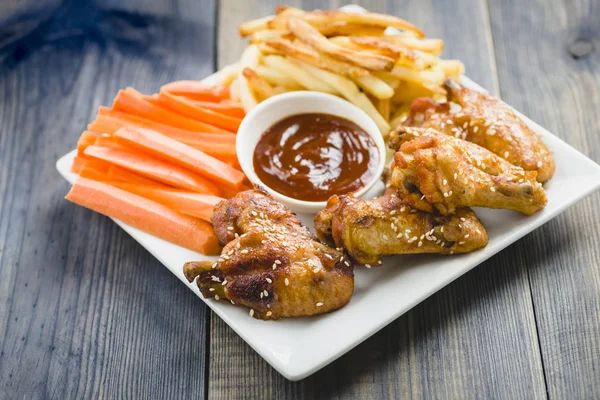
[{"x": 87, "y": 312}]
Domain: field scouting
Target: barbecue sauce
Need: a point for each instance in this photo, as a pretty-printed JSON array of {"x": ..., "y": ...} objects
[{"x": 314, "y": 156}]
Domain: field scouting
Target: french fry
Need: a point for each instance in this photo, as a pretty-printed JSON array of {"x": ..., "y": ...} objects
[
  {"x": 276, "y": 78},
  {"x": 316, "y": 40},
  {"x": 365, "y": 19},
  {"x": 226, "y": 75},
  {"x": 452, "y": 68},
  {"x": 304, "y": 52},
  {"x": 431, "y": 76},
  {"x": 350, "y": 92},
  {"x": 249, "y": 27},
  {"x": 267, "y": 50},
  {"x": 383, "y": 106},
  {"x": 269, "y": 34},
  {"x": 427, "y": 45},
  {"x": 400, "y": 114},
  {"x": 260, "y": 86},
  {"x": 407, "y": 91},
  {"x": 234, "y": 90},
  {"x": 250, "y": 59},
  {"x": 350, "y": 29},
  {"x": 402, "y": 54},
  {"x": 375, "y": 86},
  {"x": 300, "y": 75}
]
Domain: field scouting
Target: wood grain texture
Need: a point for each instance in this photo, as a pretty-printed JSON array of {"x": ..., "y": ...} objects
[
  {"x": 86, "y": 312},
  {"x": 544, "y": 73},
  {"x": 474, "y": 339}
]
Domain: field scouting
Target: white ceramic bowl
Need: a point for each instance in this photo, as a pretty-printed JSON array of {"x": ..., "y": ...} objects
[{"x": 276, "y": 108}]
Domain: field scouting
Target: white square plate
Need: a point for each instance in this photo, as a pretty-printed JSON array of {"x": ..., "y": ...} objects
[{"x": 299, "y": 347}]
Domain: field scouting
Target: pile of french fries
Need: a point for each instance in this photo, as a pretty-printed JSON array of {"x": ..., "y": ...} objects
[{"x": 376, "y": 61}]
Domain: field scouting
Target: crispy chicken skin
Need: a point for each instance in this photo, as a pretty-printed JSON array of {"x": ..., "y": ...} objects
[
  {"x": 271, "y": 263},
  {"x": 436, "y": 171},
  {"x": 369, "y": 229},
  {"x": 486, "y": 121}
]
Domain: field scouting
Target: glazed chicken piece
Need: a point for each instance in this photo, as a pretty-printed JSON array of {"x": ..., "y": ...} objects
[
  {"x": 436, "y": 171},
  {"x": 271, "y": 263},
  {"x": 370, "y": 229},
  {"x": 484, "y": 120}
]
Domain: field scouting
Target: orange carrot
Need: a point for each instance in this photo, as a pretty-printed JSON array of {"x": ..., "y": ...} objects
[
  {"x": 134, "y": 103},
  {"x": 118, "y": 174},
  {"x": 194, "y": 204},
  {"x": 108, "y": 141},
  {"x": 188, "y": 108},
  {"x": 227, "y": 107},
  {"x": 89, "y": 171},
  {"x": 215, "y": 144},
  {"x": 152, "y": 168},
  {"x": 146, "y": 215},
  {"x": 229, "y": 193},
  {"x": 197, "y": 90},
  {"x": 152, "y": 98},
  {"x": 86, "y": 139},
  {"x": 78, "y": 163},
  {"x": 180, "y": 154}
]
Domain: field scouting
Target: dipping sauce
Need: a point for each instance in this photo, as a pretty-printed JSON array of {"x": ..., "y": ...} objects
[{"x": 314, "y": 156}]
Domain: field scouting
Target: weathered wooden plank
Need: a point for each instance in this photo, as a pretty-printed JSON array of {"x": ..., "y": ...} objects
[
  {"x": 548, "y": 57},
  {"x": 476, "y": 338},
  {"x": 85, "y": 312}
]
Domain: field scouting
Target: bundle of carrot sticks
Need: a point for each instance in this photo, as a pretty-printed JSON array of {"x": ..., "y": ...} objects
[{"x": 160, "y": 163}]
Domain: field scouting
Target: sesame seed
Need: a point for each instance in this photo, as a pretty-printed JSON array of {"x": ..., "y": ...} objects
[
  {"x": 211, "y": 289},
  {"x": 398, "y": 236},
  {"x": 244, "y": 251},
  {"x": 266, "y": 293},
  {"x": 420, "y": 244},
  {"x": 341, "y": 258},
  {"x": 319, "y": 304},
  {"x": 423, "y": 197},
  {"x": 287, "y": 282},
  {"x": 462, "y": 219},
  {"x": 261, "y": 295},
  {"x": 225, "y": 257},
  {"x": 407, "y": 230},
  {"x": 385, "y": 237},
  {"x": 392, "y": 212},
  {"x": 216, "y": 297},
  {"x": 467, "y": 236},
  {"x": 379, "y": 262},
  {"x": 254, "y": 214},
  {"x": 224, "y": 282},
  {"x": 263, "y": 241},
  {"x": 347, "y": 263},
  {"x": 402, "y": 209},
  {"x": 215, "y": 278},
  {"x": 442, "y": 229},
  {"x": 450, "y": 193},
  {"x": 478, "y": 231},
  {"x": 251, "y": 312},
  {"x": 232, "y": 302},
  {"x": 367, "y": 265},
  {"x": 444, "y": 182},
  {"x": 446, "y": 194},
  {"x": 539, "y": 164},
  {"x": 277, "y": 262},
  {"x": 461, "y": 242},
  {"x": 506, "y": 153},
  {"x": 493, "y": 189},
  {"x": 230, "y": 228},
  {"x": 274, "y": 266},
  {"x": 328, "y": 256},
  {"x": 269, "y": 313},
  {"x": 475, "y": 129},
  {"x": 422, "y": 236},
  {"x": 269, "y": 280},
  {"x": 214, "y": 266}
]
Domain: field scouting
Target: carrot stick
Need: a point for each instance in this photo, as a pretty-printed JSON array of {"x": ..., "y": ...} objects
[
  {"x": 227, "y": 107},
  {"x": 89, "y": 171},
  {"x": 152, "y": 168},
  {"x": 78, "y": 163},
  {"x": 180, "y": 154},
  {"x": 197, "y": 90},
  {"x": 146, "y": 215},
  {"x": 187, "y": 107},
  {"x": 118, "y": 174},
  {"x": 229, "y": 193},
  {"x": 86, "y": 139},
  {"x": 133, "y": 102},
  {"x": 194, "y": 204},
  {"x": 215, "y": 144},
  {"x": 108, "y": 141}
]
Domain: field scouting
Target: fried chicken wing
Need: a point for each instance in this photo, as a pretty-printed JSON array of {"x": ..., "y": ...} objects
[
  {"x": 437, "y": 171},
  {"x": 484, "y": 120},
  {"x": 271, "y": 263},
  {"x": 369, "y": 229}
]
